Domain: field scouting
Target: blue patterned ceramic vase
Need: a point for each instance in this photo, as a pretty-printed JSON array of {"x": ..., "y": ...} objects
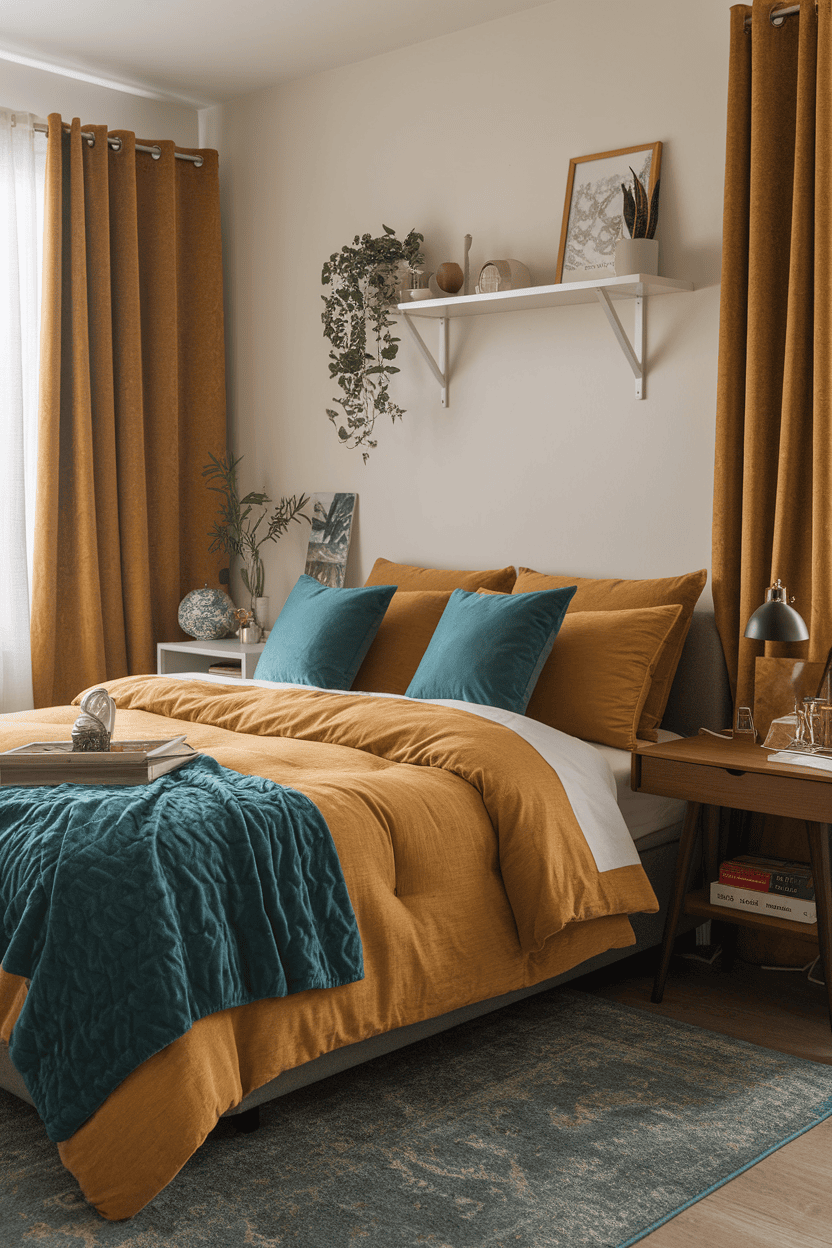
[{"x": 207, "y": 614}]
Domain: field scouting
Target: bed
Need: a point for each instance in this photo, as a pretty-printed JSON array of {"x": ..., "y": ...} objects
[{"x": 485, "y": 853}]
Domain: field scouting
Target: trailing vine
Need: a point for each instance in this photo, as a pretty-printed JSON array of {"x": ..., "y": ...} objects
[{"x": 358, "y": 312}]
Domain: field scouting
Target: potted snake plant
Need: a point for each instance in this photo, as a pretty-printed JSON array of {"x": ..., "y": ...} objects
[{"x": 640, "y": 252}]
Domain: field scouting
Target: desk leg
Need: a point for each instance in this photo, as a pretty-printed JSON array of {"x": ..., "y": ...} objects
[
  {"x": 818, "y": 834},
  {"x": 711, "y": 842},
  {"x": 684, "y": 860}
]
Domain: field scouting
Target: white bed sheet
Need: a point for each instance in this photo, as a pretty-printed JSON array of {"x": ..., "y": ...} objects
[{"x": 644, "y": 813}]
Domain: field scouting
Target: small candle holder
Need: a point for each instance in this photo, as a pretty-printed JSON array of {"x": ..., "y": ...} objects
[{"x": 249, "y": 631}]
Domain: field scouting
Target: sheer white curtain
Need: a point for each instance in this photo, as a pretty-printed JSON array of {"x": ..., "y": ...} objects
[{"x": 22, "y": 166}]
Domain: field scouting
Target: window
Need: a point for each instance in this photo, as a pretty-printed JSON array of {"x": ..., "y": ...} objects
[{"x": 22, "y": 169}]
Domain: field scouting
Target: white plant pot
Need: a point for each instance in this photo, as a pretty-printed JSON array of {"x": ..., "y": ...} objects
[{"x": 636, "y": 255}]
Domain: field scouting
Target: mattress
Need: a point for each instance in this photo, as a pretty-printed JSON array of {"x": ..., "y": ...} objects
[{"x": 644, "y": 813}]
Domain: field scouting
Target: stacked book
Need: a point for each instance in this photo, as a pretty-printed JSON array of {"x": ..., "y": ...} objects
[
  {"x": 230, "y": 668},
  {"x": 772, "y": 886}
]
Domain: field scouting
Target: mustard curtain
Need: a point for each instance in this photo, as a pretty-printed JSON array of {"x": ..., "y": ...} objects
[
  {"x": 132, "y": 401},
  {"x": 772, "y": 499}
]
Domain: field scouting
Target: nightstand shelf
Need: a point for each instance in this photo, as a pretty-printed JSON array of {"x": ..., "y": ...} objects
[
  {"x": 173, "y": 657},
  {"x": 709, "y": 773}
]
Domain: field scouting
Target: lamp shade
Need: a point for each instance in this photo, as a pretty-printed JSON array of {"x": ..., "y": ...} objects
[{"x": 775, "y": 620}]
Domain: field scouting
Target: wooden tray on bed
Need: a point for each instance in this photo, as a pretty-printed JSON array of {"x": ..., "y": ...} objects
[{"x": 126, "y": 762}]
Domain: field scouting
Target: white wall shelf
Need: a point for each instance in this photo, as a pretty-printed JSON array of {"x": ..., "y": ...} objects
[{"x": 637, "y": 287}]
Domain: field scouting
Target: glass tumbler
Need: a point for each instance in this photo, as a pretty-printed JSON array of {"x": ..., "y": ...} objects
[{"x": 813, "y": 718}]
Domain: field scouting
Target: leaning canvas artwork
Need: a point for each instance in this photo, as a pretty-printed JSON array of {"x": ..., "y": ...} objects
[{"x": 329, "y": 541}]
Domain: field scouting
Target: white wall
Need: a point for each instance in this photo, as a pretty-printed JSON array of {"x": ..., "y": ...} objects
[
  {"x": 544, "y": 457},
  {"x": 40, "y": 92}
]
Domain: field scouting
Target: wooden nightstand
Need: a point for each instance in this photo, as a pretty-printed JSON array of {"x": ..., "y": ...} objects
[
  {"x": 198, "y": 656},
  {"x": 709, "y": 772}
]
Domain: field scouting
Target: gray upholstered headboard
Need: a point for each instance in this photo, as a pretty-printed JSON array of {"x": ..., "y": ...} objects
[{"x": 700, "y": 696}]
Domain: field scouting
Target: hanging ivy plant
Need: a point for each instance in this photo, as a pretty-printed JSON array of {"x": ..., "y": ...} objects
[{"x": 363, "y": 281}]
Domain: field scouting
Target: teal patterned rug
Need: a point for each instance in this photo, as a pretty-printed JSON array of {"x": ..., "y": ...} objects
[{"x": 563, "y": 1121}]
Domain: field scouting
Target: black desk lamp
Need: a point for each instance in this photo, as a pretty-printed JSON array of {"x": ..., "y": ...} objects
[{"x": 776, "y": 620}]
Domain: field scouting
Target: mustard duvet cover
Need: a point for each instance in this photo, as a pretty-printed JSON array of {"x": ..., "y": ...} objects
[{"x": 473, "y": 868}]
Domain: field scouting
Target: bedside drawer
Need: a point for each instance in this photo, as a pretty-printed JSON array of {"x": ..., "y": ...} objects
[{"x": 796, "y": 798}]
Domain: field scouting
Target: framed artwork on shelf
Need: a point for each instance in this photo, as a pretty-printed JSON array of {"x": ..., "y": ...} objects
[
  {"x": 329, "y": 541},
  {"x": 593, "y": 213}
]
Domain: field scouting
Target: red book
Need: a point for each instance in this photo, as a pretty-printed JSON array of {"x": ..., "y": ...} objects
[
  {"x": 744, "y": 877},
  {"x": 769, "y": 875}
]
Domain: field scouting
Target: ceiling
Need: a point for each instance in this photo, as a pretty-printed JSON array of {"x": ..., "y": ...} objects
[{"x": 207, "y": 51}]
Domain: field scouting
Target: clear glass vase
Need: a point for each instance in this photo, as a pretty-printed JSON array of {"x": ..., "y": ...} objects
[{"x": 253, "y": 575}]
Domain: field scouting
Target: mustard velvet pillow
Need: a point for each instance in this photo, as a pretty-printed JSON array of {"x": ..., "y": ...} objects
[
  {"x": 618, "y": 595},
  {"x": 407, "y": 576},
  {"x": 403, "y": 637},
  {"x": 596, "y": 680}
]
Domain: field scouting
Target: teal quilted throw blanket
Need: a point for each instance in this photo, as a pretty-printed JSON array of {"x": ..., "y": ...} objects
[{"x": 135, "y": 911}]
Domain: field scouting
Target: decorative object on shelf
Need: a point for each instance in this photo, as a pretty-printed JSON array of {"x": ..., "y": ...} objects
[
  {"x": 450, "y": 278},
  {"x": 594, "y": 208},
  {"x": 238, "y": 530},
  {"x": 363, "y": 282},
  {"x": 640, "y": 252},
  {"x": 248, "y": 631},
  {"x": 206, "y": 614},
  {"x": 466, "y": 289},
  {"x": 496, "y": 275},
  {"x": 329, "y": 541},
  {"x": 419, "y": 286},
  {"x": 93, "y": 728}
]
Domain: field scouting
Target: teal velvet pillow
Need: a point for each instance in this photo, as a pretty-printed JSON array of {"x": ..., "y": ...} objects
[
  {"x": 322, "y": 634},
  {"x": 485, "y": 651}
]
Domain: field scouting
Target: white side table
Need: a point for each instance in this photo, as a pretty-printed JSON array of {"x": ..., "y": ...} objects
[{"x": 198, "y": 656}]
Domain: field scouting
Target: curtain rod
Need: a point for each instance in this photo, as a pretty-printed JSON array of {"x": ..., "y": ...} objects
[
  {"x": 777, "y": 16},
  {"x": 116, "y": 145}
]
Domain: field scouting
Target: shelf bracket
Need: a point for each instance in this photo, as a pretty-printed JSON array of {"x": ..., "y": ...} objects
[
  {"x": 440, "y": 370},
  {"x": 633, "y": 352}
]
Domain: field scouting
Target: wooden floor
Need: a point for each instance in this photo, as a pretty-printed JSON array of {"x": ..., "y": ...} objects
[{"x": 786, "y": 1200}]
